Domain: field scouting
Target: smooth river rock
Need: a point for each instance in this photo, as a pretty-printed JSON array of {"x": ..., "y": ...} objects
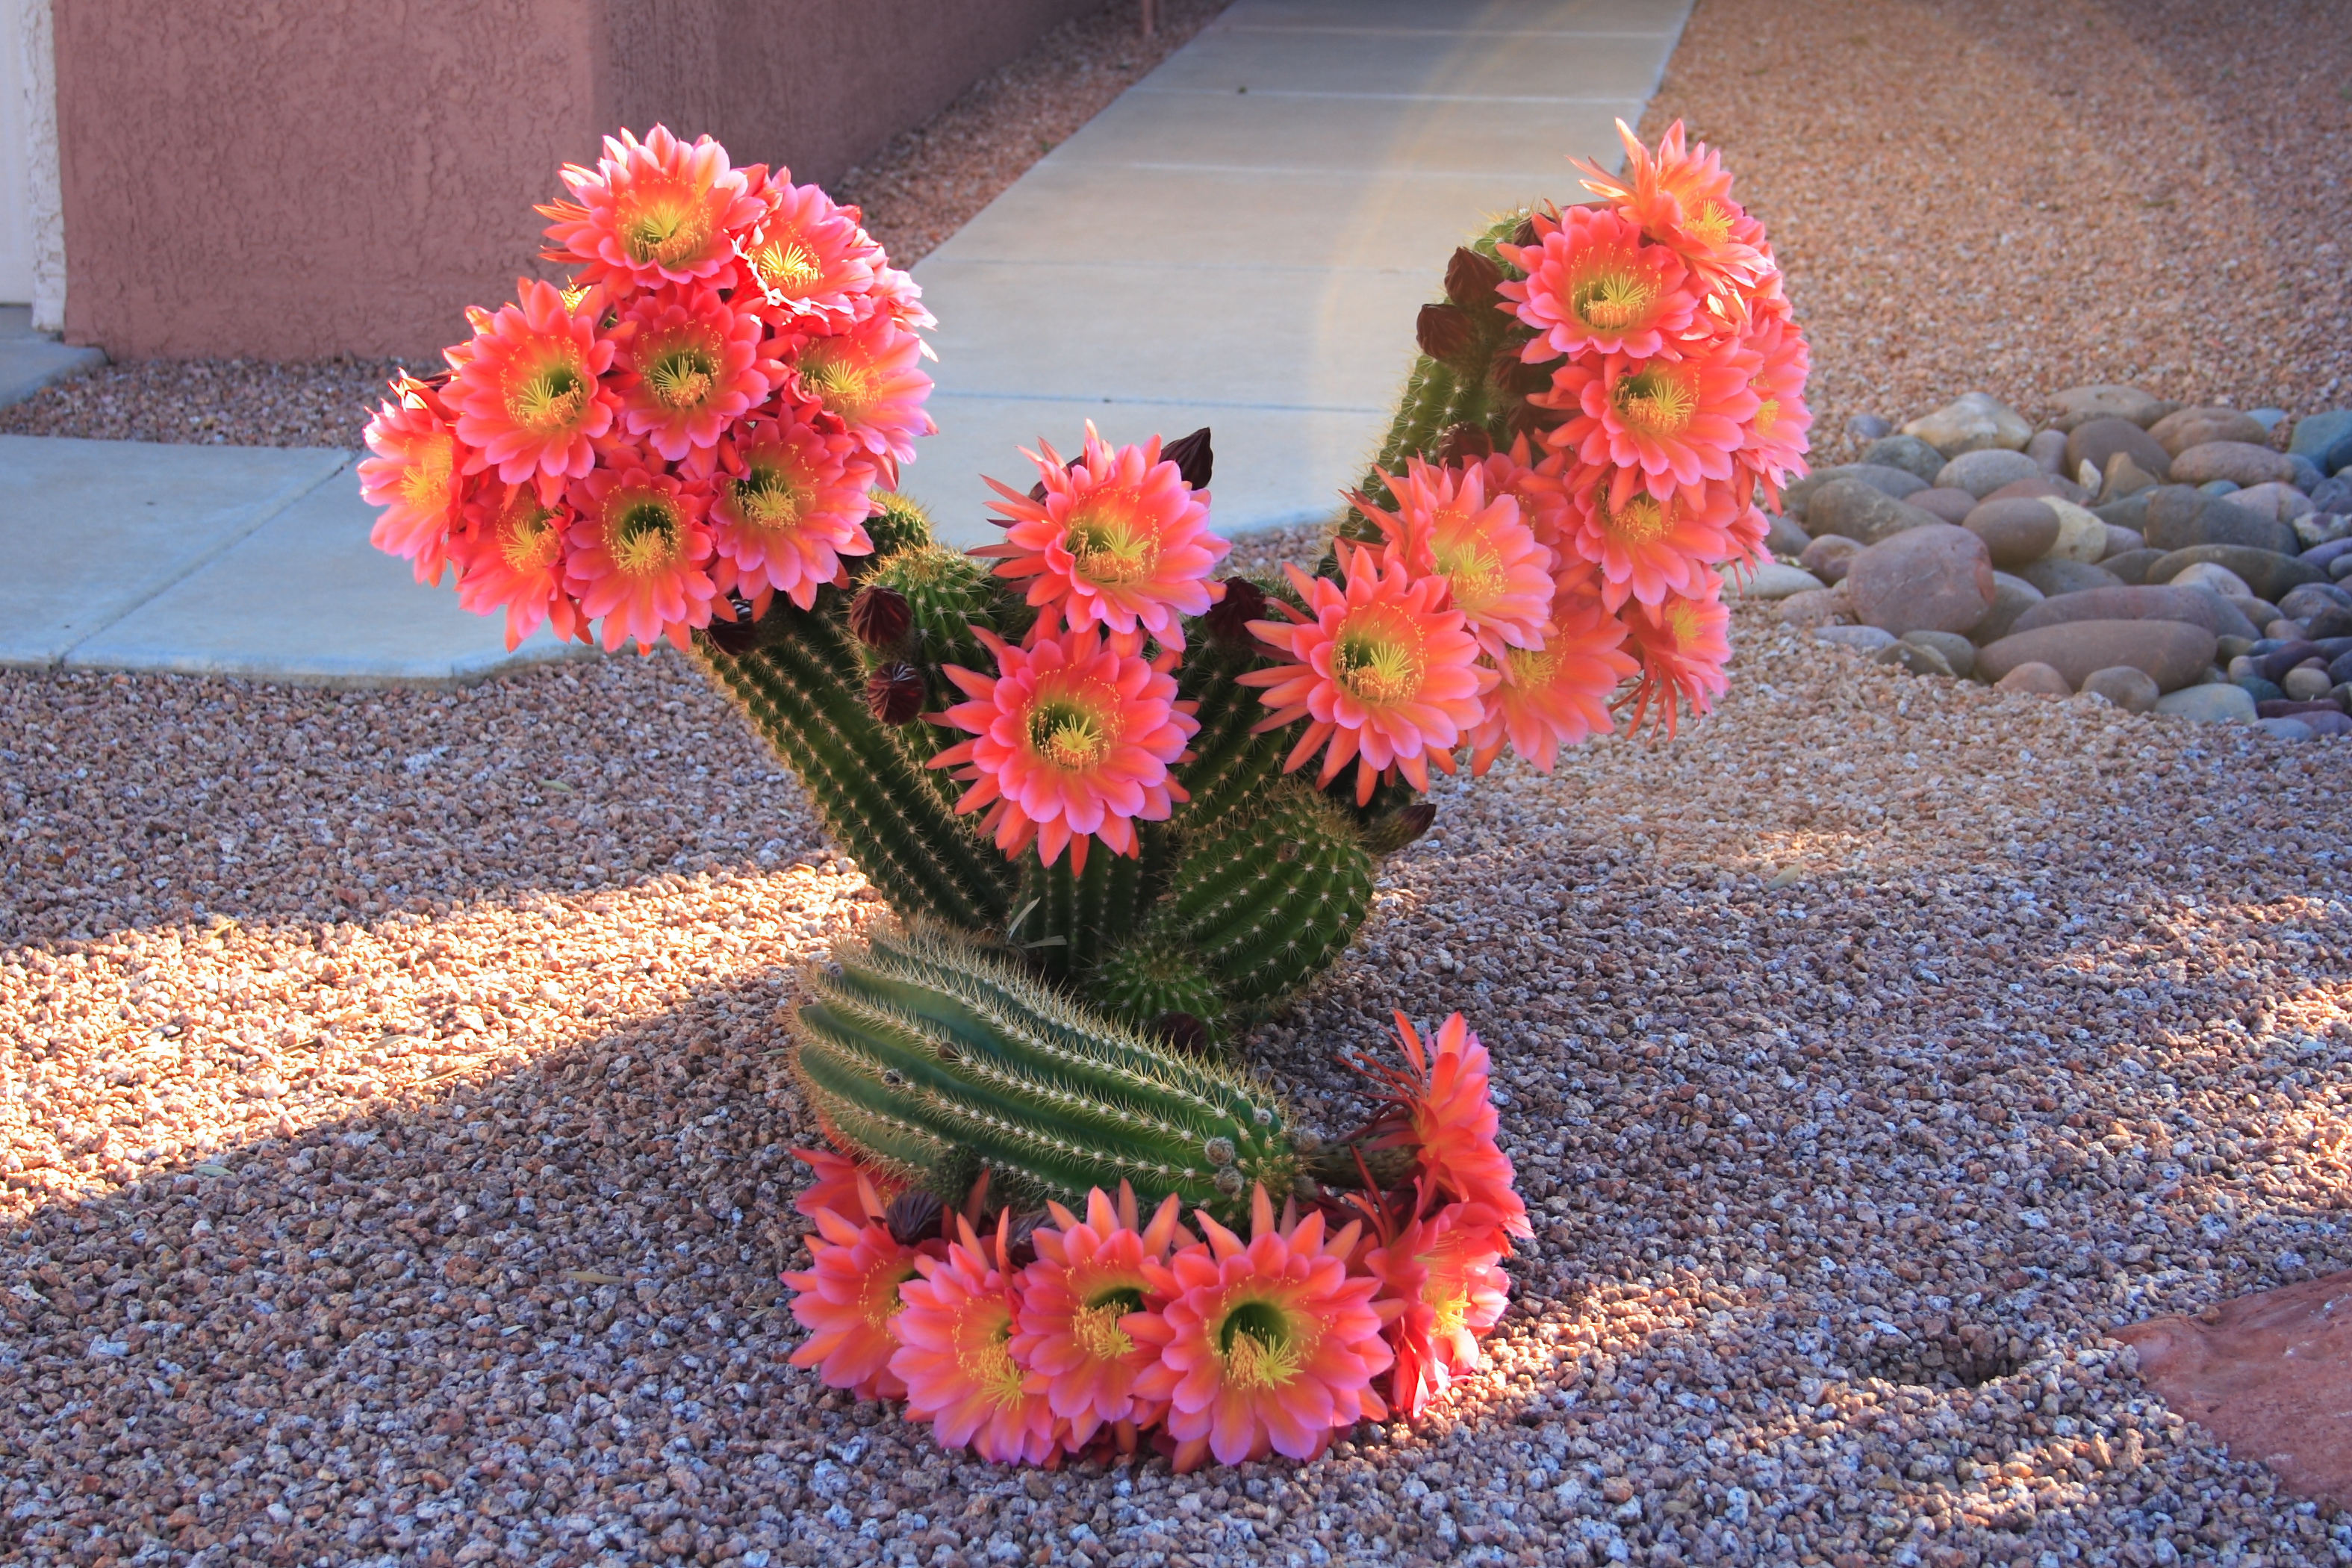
[
  {"x": 2171, "y": 653},
  {"x": 1971, "y": 422},
  {"x": 2096, "y": 441},
  {"x": 1770, "y": 582},
  {"x": 2240, "y": 462},
  {"x": 2038, "y": 679},
  {"x": 1905, "y": 452},
  {"x": 2267, "y": 573},
  {"x": 1937, "y": 579},
  {"x": 2130, "y": 689},
  {"x": 1859, "y": 511},
  {"x": 2132, "y": 565},
  {"x": 2012, "y": 597},
  {"x": 2197, "y": 608},
  {"x": 2099, "y": 400},
  {"x": 2176, "y": 433},
  {"x": 2056, "y": 575},
  {"x": 1983, "y": 472},
  {"x": 2216, "y": 704},
  {"x": 2082, "y": 532},
  {"x": 1952, "y": 506},
  {"x": 2016, "y": 532},
  {"x": 1828, "y": 557}
]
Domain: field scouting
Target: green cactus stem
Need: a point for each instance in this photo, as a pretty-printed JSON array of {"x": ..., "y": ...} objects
[
  {"x": 802, "y": 688},
  {"x": 1156, "y": 976},
  {"x": 935, "y": 1060}
]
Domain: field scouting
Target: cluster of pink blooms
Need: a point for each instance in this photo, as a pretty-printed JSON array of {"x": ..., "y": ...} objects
[
  {"x": 1124, "y": 1328},
  {"x": 692, "y": 426}
]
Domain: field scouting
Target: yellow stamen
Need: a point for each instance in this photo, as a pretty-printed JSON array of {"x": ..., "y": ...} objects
[
  {"x": 682, "y": 377},
  {"x": 1378, "y": 669},
  {"x": 1531, "y": 669},
  {"x": 845, "y": 389},
  {"x": 1260, "y": 1345},
  {"x": 1469, "y": 563},
  {"x": 426, "y": 482},
  {"x": 1767, "y": 413},
  {"x": 552, "y": 398},
  {"x": 1641, "y": 520},
  {"x": 666, "y": 228},
  {"x": 1612, "y": 301},
  {"x": 769, "y": 500},
  {"x": 990, "y": 1367},
  {"x": 645, "y": 536},
  {"x": 1656, "y": 402},
  {"x": 880, "y": 1301},
  {"x": 1067, "y": 735},
  {"x": 531, "y": 542},
  {"x": 1098, "y": 1334},
  {"x": 786, "y": 265},
  {"x": 1111, "y": 543},
  {"x": 1710, "y": 225}
]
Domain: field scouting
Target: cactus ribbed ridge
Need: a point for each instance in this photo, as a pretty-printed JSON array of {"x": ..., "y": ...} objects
[{"x": 936, "y": 1058}]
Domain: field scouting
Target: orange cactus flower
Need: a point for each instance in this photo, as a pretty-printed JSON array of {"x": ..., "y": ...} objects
[
  {"x": 1118, "y": 541},
  {"x": 849, "y": 1298},
  {"x": 640, "y": 554},
  {"x": 525, "y": 390},
  {"x": 653, "y": 211},
  {"x": 1557, "y": 695},
  {"x": 1777, "y": 436},
  {"x": 1683, "y": 643},
  {"x": 1648, "y": 546},
  {"x": 510, "y": 558},
  {"x": 1384, "y": 670},
  {"x": 1072, "y": 1333},
  {"x": 867, "y": 379},
  {"x": 1681, "y": 197},
  {"x": 1441, "y": 1107},
  {"x": 1268, "y": 1345},
  {"x": 1445, "y": 526},
  {"x": 418, "y": 477},
  {"x": 789, "y": 505},
  {"x": 696, "y": 364},
  {"x": 1071, "y": 741},
  {"x": 1676, "y": 422},
  {"x": 955, "y": 1355},
  {"x": 843, "y": 1186},
  {"x": 1446, "y": 1268},
  {"x": 808, "y": 262},
  {"x": 1595, "y": 286}
]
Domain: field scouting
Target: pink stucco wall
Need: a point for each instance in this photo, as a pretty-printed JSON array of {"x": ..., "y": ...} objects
[{"x": 278, "y": 181}]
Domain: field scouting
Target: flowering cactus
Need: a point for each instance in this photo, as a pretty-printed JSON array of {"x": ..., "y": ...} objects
[{"x": 1122, "y": 807}]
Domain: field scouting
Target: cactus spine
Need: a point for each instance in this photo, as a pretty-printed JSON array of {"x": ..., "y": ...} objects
[{"x": 936, "y": 1059}]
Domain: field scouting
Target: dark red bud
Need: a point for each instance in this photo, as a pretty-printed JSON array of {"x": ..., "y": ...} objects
[
  {"x": 1445, "y": 331},
  {"x": 1192, "y": 457},
  {"x": 1517, "y": 376},
  {"x": 913, "y": 1219},
  {"x": 1021, "y": 1237},
  {"x": 1462, "y": 444},
  {"x": 1470, "y": 280},
  {"x": 1525, "y": 235},
  {"x": 880, "y": 616},
  {"x": 894, "y": 693},
  {"x": 739, "y": 636},
  {"x": 1228, "y": 619},
  {"x": 1532, "y": 422},
  {"x": 1181, "y": 1030}
]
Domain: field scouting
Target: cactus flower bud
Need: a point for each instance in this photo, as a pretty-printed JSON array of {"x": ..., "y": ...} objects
[
  {"x": 737, "y": 636},
  {"x": 1470, "y": 280},
  {"x": 1181, "y": 1030},
  {"x": 1228, "y": 619},
  {"x": 1400, "y": 827},
  {"x": 1464, "y": 443},
  {"x": 913, "y": 1218},
  {"x": 880, "y": 616},
  {"x": 894, "y": 693},
  {"x": 1445, "y": 331},
  {"x": 1192, "y": 457}
]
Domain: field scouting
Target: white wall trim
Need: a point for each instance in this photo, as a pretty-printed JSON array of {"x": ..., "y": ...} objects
[{"x": 36, "y": 47}]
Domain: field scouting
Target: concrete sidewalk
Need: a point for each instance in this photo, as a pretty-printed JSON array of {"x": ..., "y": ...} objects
[
  {"x": 30, "y": 361},
  {"x": 243, "y": 561},
  {"x": 1242, "y": 240}
]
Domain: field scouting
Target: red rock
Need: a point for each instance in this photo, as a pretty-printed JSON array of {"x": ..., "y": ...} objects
[
  {"x": 1950, "y": 505},
  {"x": 2142, "y": 604},
  {"x": 2271, "y": 1374},
  {"x": 2017, "y": 531},
  {"x": 1935, "y": 578},
  {"x": 2185, "y": 427},
  {"x": 2173, "y": 653},
  {"x": 2096, "y": 440}
]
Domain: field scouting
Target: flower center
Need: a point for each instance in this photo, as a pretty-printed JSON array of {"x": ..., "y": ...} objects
[
  {"x": 768, "y": 499},
  {"x": 1097, "y": 1327},
  {"x": 846, "y": 389},
  {"x": 1642, "y": 520},
  {"x": 786, "y": 265},
  {"x": 551, "y": 399},
  {"x": 1612, "y": 301},
  {"x": 1767, "y": 413},
  {"x": 425, "y": 484},
  {"x": 1452, "y": 1306},
  {"x": 1377, "y": 670},
  {"x": 881, "y": 1301},
  {"x": 990, "y": 1367},
  {"x": 1260, "y": 1350},
  {"x": 1471, "y": 566},
  {"x": 1110, "y": 543},
  {"x": 645, "y": 536},
  {"x": 682, "y": 375},
  {"x": 1710, "y": 225},
  {"x": 664, "y": 229},
  {"x": 1067, "y": 735},
  {"x": 1655, "y": 402},
  {"x": 532, "y": 540},
  {"x": 1531, "y": 669}
]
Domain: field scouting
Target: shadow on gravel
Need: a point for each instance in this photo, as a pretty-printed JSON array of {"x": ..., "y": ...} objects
[{"x": 389, "y": 1332}]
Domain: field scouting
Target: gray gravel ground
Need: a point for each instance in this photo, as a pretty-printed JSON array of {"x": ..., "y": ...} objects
[{"x": 1869, "y": 1052}]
